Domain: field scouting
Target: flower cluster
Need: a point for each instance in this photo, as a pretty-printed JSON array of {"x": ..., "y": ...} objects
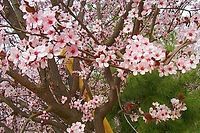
[
  {"x": 87, "y": 107},
  {"x": 77, "y": 127},
  {"x": 32, "y": 57},
  {"x": 182, "y": 64},
  {"x": 104, "y": 56},
  {"x": 37, "y": 20},
  {"x": 178, "y": 107},
  {"x": 3, "y": 60},
  {"x": 164, "y": 113},
  {"x": 3, "y": 65},
  {"x": 160, "y": 112},
  {"x": 141, "y": 55},
  {"x": 47, "y": 41}
]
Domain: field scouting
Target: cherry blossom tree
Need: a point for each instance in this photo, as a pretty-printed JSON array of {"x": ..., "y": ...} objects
[{"x": 63, "y": 63}]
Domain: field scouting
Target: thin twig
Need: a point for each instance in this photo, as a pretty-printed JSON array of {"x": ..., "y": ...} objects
[
  {"x": 171, "y": 55},
  {"x": 120, "y": 105},
  {"x": 189, "y": 10},
  {"x": 23, "y": 31}
]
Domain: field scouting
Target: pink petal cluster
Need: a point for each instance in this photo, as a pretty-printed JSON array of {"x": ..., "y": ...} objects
[
  {"x": 87, "y": 107},
  {"x": 141, "y": 56},
  {"x": 104, "y": 56},
  {"x": 178, "y": 107},
  {"x": 163, "y": 113},
  {"x": 160, "y": 112},
  {"x": 77, "y": 127}
]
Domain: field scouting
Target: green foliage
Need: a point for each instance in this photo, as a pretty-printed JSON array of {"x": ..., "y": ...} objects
[
  {"x": 169, "y": 42},
  {"x": 145, "y": 89}
]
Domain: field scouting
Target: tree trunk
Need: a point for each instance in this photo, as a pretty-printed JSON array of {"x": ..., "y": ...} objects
[{"x": 98, "y": 124}]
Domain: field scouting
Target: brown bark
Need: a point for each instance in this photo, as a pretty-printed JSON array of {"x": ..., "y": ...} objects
[
  {"x": 54, "y": 2},
  {"x": 102, "y": 111},
  {"x": 136, "y": 28},
  {"x": 58, "y": 87},
  {"x": 12, "y": 18},
  {"x": 98, "y": 124}
]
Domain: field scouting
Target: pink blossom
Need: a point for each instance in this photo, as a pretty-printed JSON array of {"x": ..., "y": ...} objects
[
  {"x": 182, "y": 65},
  {"x": 102, "y": 61},
  {"x": 14, "y": 55},
  {"x": 61, "y": 40},
  {"x": 48, "y": 19},
  {"x": 71, "y": 37},
  {"x": 191, "y": 33},
  {"x": 77, "y": 127},
  {"x": 1, "y": 7},
  {"x": 87, "y": 107},
  {"x": 34, "y": 20},
  {"x": 128, "y": 28},
  {"x": 193, "y": 61},
  {"x": 72, "y": 51}
]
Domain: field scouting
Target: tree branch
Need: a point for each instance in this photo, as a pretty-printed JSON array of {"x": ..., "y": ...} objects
[
  {"x": 136, "y": 28},
  {"x": 17, "y": 111},
  {"x": 119, "y": 26},
  {"x": 18, "y": 13},
  {"x": 23, "y": 80},
  {"x": 101, "y": 112},
  {"x": 58, "y": 86},
  {"x": 12, "y": 18},
  {"x": 54, "y": 2},
  {"x": 99, "y": 14},
  {"x": 156, "y": 12},
  {"x": 172, "y": 54}
]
